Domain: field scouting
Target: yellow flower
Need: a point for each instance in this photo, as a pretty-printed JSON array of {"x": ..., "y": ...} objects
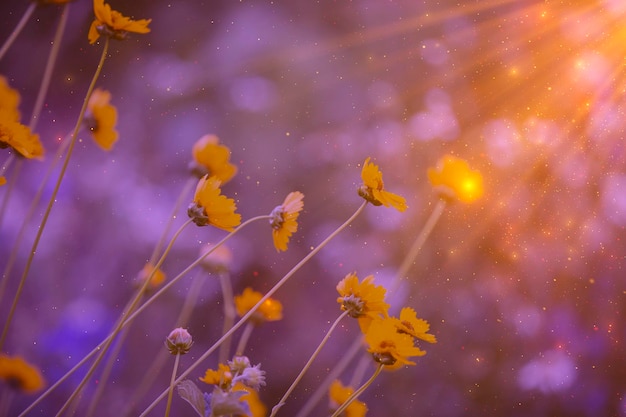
[
  {"x": 101, "y": 119},
  {"x": 19, "y": 374},
  {"x": 373, "y": 188},
  {"x": 338, "y": 394},
  {"x": 270, "y": 310},
  {"x": 157, "y": 278},
  {"x": 19, "y": 137},
  {"x": 113, "y": 24},
  {"x": 257, "y": 408},
  {"x": 364, "y": 301},
  {"x": 3, "y": 180},
  {"x": 284, "y": 219},
  {"x": 209, "y": 157},
  {"x": 211, "y": 207},
  {"x": 222, "y": 377},
  {"x": 9, "y": 101},
  {"x": 12, "y": 133},
  {"x": 417, "y": 328},
  {"x": 389, "y": 346},
  {"x": 453, "y": 178}
]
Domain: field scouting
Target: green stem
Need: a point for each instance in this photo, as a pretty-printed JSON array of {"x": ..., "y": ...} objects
[
  {"x": 308, "y": 364},
  {"x": 358, "y": 392},
  {"x": 55, "y": 191},
  {"x": 258, "y": 304},
  {"x": 171, "y": 390}
]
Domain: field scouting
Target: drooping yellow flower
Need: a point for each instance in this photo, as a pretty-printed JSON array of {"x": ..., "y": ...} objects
[
  {"x": 211, "y": 207},
  {"x": 12, "y": 133},
  {"x": 338, "y": 394},
  {"x": 373, "y": 188},
  {"x": 209, "y": 157},
  {"x": 409, "y": 323},
  {"x": 222, "y": 377},
  {"x": 9, "y": 101},
  {"x": 19, "y": 374},
  {"x": 363, "y": 300},
  {"x": 101, "y": 119},
  {"x": 453, "y": 179},
  {"x": 270, "y": 310},
  {"x": 388, "y": 346},
  {"x": 284, "y": 219},
  {"x": 257, "y": 408},
  {"x": 15, "y": 135},
  {"x": 113, "y": 24}
]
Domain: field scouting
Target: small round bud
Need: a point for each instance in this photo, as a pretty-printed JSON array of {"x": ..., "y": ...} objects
[{"x": 179, "y": 341}]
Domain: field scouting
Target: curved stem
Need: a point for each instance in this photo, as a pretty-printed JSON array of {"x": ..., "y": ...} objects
[
  {"x": 358, "y": 392},
  {"x": 122, "y": 320},
  {"x": 258, "y": 304},
  {"x": 18, "y": 29},
  {"x": 321, "y": 390},
  {"x": 55, "y": 191},
  {"x": 171, "y": 390},
  {"x": 308, "y": 364},
  {"x": 99, "y": 347}
]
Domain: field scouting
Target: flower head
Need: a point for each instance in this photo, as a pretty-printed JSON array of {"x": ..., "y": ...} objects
[
  {"x": 211, "y": 207},
  {"x": 252, "y": 377},
  {"x": 417, "y": 328},
  {"x": 158, "y": 277},
  {"x": 270, "y": 310},
  {"x": 219, "y": 260},
  {"x": 3, "y": 180},
  {"x": 453, "y": 179},
  {"x": 284, "y": 219},
  {"x": 209, "y": 157},
  {"x": 338, "y": 394},
  {"x": 15, "y": 135},
  {"x": 373, "y": 188},
  {"x": 251, "y": 397},
  {"x": 222, "y": 377},
  {"x": 388, "y": 346},
  {"x": 113, "y": 24},
  {"x": 179, "y": 341},
  {"x": 19, "y": 374},
  {"x": 101, "y": 119},
  {"x": 363, "y": 300}
]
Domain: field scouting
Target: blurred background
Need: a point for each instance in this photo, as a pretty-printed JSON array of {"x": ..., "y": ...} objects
[{"x": 524, "y": 289}]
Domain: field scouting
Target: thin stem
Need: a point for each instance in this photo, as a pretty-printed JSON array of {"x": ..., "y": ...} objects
[
  {"x": 171, "y": 390},
  {"x": 355, "y": 348},
  {"x": 415, "y": 249},
  {"x": 258, "y": 304},
  {"x": 7, "y": 163},
  {"x": 47, "y": 75},
  {"x": 358, "y": 392},
  {"x": 31, "y": 210},
  {"x": 243, "y": 340},
  {"x": 321, "y": 390},
  {"x": 140, "y": 310},
  {"x": 18, "y": 29},
  {"x": 170, "y": 220},
  {"x": 308, "y": 364},
  {"x": 55, "y": 191},
  {"x": 122, "y": 320},
  {"x": 159, "y": 362},
  {"x": 229, "y": 313}
]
